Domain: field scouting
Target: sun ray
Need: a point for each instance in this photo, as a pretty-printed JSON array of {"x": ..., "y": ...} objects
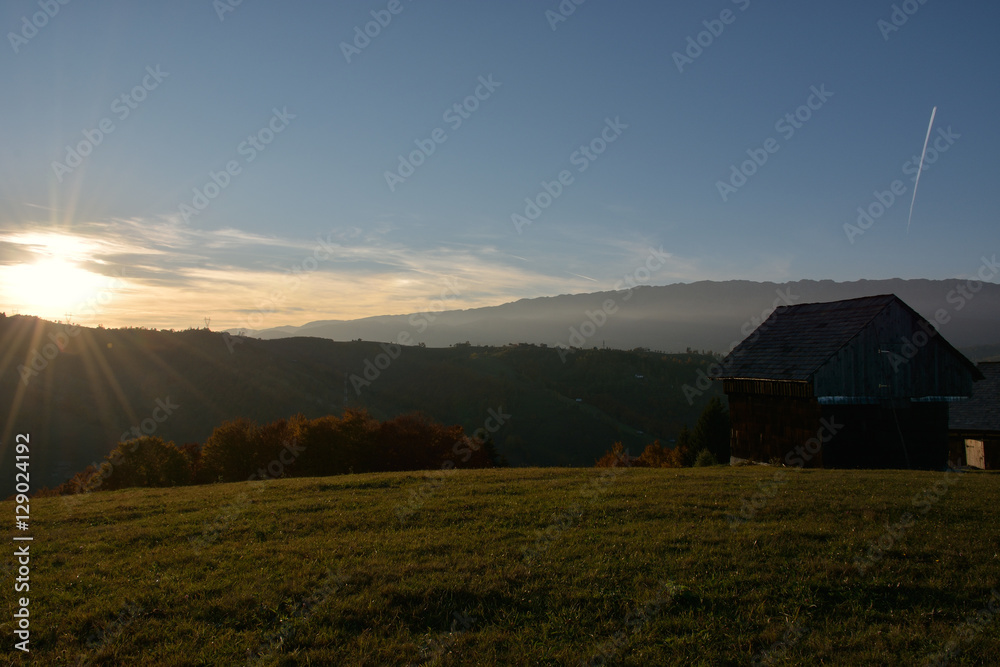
[
  {"x": 55, "y": 282},
  {"x": 22, "y": 387}
]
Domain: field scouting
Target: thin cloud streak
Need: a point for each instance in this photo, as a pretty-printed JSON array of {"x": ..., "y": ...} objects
[{"x": 175, "y": 275}]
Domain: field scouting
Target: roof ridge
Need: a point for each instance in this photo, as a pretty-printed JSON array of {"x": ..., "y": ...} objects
[
  {"x": 828, "y": 303},
  {"x": 860, "y": 329}
]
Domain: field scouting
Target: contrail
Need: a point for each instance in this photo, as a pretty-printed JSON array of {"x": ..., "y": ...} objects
[{"x": 916, "y": 184}]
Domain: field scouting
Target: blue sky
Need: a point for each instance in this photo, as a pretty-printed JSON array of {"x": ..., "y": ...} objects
[{"x": 109, "y": 240}]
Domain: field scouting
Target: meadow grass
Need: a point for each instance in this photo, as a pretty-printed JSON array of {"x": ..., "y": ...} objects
[{"x": 521, "y": 567}]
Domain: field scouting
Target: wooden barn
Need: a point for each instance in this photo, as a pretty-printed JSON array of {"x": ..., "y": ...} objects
[
  {"x": 975, "y": 423},
  {"x": 861, "y": 383}
]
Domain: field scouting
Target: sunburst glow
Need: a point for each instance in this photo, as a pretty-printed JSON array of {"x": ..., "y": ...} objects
[{"x": 53, "y": 285}]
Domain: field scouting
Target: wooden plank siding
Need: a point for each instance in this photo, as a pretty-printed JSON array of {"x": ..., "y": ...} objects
[
  {"x": 768, "y": 388},
  {"x": 766, "y": 427},
  {"x": 879, "y": 362}
]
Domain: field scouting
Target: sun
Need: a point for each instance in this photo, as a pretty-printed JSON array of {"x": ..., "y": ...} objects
[{"x": 52, "y": 286}]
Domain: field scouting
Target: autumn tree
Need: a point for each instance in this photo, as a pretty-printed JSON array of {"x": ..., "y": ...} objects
[
  {"x": 334, "y": 446},
  {"x": 617, "y": 457},
  {"x": 145, "y": 461},
  {"x": 654, "y": 456},
  {"x": 226, "y": 456}
]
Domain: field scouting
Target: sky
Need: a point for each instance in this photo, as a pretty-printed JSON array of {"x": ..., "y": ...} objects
[{"x": 265, "y": 164}]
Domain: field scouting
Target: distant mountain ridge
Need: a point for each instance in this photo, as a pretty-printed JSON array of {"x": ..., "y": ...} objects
[{"x": 702, "y": 315}]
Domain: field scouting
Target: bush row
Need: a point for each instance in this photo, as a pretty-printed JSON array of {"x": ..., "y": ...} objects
[{"x": 298, "y": 447}]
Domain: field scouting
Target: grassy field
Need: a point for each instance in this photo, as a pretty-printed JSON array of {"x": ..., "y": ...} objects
[{"x": 721, "y": 566}]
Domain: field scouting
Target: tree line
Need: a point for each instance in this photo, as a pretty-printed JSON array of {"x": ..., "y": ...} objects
[{"x": 241, "y": 450}]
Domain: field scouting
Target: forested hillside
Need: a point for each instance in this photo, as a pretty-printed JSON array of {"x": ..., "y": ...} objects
[{"x": 77, "y": 391}]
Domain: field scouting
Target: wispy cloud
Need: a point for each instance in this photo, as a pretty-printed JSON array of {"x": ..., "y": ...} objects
[{"x": 177, "y": 274}]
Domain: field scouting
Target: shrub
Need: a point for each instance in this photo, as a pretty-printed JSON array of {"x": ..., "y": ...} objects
[
  {"x": 146, "y": 461},
  {"x": 654, "y": 456},
  {"x": 705, "y": 458},
  {"x": 617, "y": 457}
]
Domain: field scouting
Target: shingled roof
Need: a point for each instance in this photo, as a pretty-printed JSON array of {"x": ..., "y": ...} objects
[
  {"x": 796, "y": 340},
  {"x": 982, "y": 411}
]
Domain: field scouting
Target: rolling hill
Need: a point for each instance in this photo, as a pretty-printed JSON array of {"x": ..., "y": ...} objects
[{"x": 180, "y": 385}]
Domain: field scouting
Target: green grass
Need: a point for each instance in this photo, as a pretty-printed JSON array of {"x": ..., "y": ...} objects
[{"x": 640, "y": 562}]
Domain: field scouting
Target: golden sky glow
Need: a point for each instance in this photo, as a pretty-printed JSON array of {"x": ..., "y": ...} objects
[
  {"x": 49, "y": 288},
  {"x": 166, "y": 274}
]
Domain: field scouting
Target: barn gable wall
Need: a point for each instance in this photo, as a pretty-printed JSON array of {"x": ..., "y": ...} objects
[{"x": 894, "y": 357}]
